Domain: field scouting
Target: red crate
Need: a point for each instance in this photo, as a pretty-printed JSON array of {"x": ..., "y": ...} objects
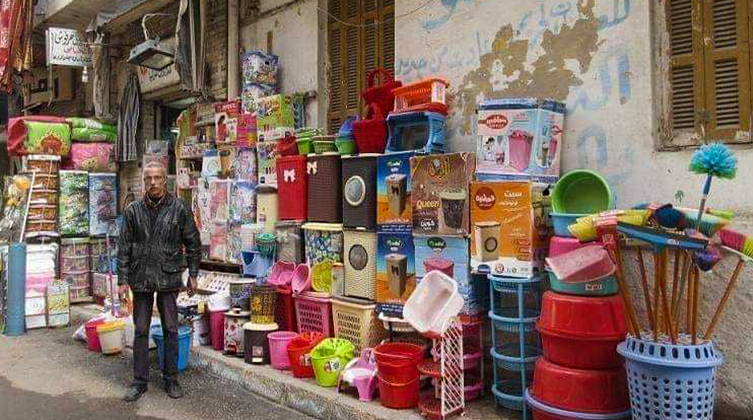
[
  {"x": 292, "y": 187},
  {"x": 285, "y": 310}
]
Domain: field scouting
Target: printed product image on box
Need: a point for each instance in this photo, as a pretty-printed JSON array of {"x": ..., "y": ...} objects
[
  {"x": 510, "y": 232},
  {"x": 395, "y": 278},
  {"x": 394, "y": 192},
  {"x": 439, "y": 196}
]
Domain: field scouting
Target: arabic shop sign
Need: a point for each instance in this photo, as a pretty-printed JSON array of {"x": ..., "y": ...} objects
[{"x": 66, "y": 47}]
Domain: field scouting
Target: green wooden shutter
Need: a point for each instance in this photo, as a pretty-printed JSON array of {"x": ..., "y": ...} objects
[{"x": 727, "y": 69}]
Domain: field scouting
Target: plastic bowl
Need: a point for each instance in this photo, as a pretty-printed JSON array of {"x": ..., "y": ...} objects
[
  {"x": 600, "y": 286},
  {"x": 582, "y": 332},
  {"x": 582, "y": 191},
  {"x": 583, "y": 391},
  {"x": 559, "y": 245},
  {"x": 543, "y": 411},
  {"x": 305, "y": 146},
  {"x": 562, "y": 220},
  {"x": 583, "y": 264}
]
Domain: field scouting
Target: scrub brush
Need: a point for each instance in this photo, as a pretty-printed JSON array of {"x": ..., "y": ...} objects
[
  {"x": 743, "y": 247},
  {"x": 670, "y": 218},
  {"x": 584, "y": 228},
  {"x": 708, "y": 224}
]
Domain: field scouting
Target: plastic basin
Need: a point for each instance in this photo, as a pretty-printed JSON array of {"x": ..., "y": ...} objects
[
  {"x": 435, "y": 300},
  {"x": 543, "y": 411},
  {"x": 328, "y": 358},
  {"x": 582, "y": 191},
  {"x": 559, "y": 245},
  {"x": 583, "y": 264},
  {"x": 583, "y": 391},
  {"x": 562, "y": 220},
  {"x": 582, "y": 332},
  {"x": 184, "y": 345},
  {"x": 299, "y": 350},
  {"x": 601, "y": 286}
]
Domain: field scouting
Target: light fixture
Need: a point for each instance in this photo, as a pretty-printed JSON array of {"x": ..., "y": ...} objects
[{"x": 149, "y": 53}]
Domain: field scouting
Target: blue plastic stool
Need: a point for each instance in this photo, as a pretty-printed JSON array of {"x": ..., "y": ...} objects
[
  {"x": 184, "y": 345},
  {"x": 670, "y": 381}
]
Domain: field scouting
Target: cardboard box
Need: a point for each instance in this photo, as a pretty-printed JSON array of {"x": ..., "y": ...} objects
[
  {"x": 396, "y": 272},
  {"x": 510, "y": 227},
  {"x": 519, "y": 139},
  {"x": 226, "y": 119},
  {"x": 394, "y": 192},
  {"x": 439, "y": 195},
  {"x": 449, "y": 254}
]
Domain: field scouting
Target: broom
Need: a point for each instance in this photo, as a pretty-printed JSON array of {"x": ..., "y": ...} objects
[
  {"x": 743, "y": 246},
  {"x": 713, "y": 160}
]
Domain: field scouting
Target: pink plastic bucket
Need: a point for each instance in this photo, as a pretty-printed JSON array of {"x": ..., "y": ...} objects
[
  {"x": 278, "y": 348},
  {"x": 217, "y": 329}
]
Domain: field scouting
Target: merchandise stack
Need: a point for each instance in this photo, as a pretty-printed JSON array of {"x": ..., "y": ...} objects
[
  {"x": 42, "y": 216},
  {"x": 75, "y": 268},
  {"x": 41, "y": 271}
]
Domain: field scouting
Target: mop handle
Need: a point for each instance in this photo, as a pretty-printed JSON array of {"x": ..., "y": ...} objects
[{"x": 702, "y": 208}]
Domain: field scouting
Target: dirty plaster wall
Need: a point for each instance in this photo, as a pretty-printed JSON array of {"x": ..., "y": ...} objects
[
  {"x": 295, "y": 39},
  {"x": 597, "y": 57}
]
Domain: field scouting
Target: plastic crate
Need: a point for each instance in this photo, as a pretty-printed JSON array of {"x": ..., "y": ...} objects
[
  {"x": 426, "y": 95},
  {"x": 313, "y": 312},
  {"x": 357, "y": 322},
  {"x": 285, "y": 309}
]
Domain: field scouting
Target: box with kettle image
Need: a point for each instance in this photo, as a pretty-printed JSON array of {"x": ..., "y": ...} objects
[
  {"x": 450, "y": 255},
  {"x": 394, "y": 192},
  {"x": 440, "y": 193},
  {"x": 396, "y": 271},
  {"x": 510, "y": 227}
]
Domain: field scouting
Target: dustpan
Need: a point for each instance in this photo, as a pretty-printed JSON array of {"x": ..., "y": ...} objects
[
  {"x": 660, "y": 239},
  {"x": 582, "y": 265}
]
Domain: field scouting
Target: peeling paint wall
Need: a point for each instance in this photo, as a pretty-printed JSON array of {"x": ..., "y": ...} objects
[
  {"x": 295, "y": 39},
  {"x": 598, "y": 57}
]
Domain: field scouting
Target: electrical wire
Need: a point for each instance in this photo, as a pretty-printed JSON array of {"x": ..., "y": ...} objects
[{"x": 376, "y": 22}]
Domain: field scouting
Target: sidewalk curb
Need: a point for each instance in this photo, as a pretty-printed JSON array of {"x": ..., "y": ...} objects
[{"x": 301, "y": 395}]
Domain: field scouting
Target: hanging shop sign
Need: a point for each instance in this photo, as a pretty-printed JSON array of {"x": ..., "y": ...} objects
[
  {"x": 66, "y": 47},
  {"x": 151, "y": 80},
  {"x": 39, "y": 87}
]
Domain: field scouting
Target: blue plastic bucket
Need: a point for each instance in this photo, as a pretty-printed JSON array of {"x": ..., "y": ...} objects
[
  {"x": 184, "y": 345},
  {"x": 683, "y": 375},
  {"x": 562, "y": 220}
]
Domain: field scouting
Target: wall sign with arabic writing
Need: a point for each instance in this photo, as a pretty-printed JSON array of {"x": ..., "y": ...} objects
[{"x": 66, "y": 47}]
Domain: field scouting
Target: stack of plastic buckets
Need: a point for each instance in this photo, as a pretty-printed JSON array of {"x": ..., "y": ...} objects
[
  {"x": 397, "y": 364},
  {"x": 515, "y": 307}
]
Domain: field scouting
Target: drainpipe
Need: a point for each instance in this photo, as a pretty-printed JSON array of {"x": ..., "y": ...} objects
[{"x": 233, "y": 51}]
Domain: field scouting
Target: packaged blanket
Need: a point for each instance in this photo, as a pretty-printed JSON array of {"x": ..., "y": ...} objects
[
  {"x": 93, "y": 135},
  {"x": 38, "y": 135},
  {"x": 74, "y": 203},
  {"x": 90, "y": 123},
  {"x": 92, "y": 157}
]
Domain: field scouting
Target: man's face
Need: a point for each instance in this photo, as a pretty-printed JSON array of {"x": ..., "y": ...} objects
[{"x": 154, "y": 182}]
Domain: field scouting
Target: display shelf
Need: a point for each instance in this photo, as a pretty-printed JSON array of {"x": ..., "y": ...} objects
[{"x": 431, "y": 368}]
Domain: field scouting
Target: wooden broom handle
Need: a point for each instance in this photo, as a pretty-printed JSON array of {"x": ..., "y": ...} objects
[
  {"x": 646, "y": 289},
  {"x": 633, "y": 325},
  {"x": 696, "y": 294},
  {"x": 725, "y": 298}
]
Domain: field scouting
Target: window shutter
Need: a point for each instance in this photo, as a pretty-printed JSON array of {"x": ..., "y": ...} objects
[
  {"x": 727, "y": 69},
  {"x": 335, "y": 29},
  {"x": 687, "y": 66},
  {"x": 387, "y": 35}
]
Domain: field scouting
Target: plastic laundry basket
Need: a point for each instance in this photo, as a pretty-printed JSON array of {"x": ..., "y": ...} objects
[
  {"x": 278, "y": 348},
  {"x": 328, "y": 358},
  {"x": 357, "y": 322},
  {"x": 184, "y": 345},
  {"x": 313, "y": 312},
  {"x": 435, "y": 300},
  {"x": 683, "y": 375}
]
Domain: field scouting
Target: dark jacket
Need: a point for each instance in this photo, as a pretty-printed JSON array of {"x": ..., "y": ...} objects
[{"x": 150, "y": 250}]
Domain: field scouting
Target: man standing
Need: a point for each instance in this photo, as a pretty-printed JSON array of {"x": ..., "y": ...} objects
[{"x": 154, "y": 232}]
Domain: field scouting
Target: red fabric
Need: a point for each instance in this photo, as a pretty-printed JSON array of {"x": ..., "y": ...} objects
[
  {"x": 13, "y": 38},
  {"x": 17, "y": 131}
]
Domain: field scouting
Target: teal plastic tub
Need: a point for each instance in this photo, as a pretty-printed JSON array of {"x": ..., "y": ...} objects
[
  {"x": 562, "y": 220},
  {"x": 604, "y": 286},
  {"x": 582, "y": 192}
]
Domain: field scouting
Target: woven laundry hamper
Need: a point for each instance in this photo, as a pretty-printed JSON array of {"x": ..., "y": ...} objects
[
  {"x": 324, "y": 192},
  {"x": 359, "y": 254},
  {"x": 356, "y": 321},
  {"x": 266, "y": 207},
  {"x": 359, "y": 176},
  {"x": 324, "y": 242},
  {"x": 292, "y": 187},
  {"x": 289, "y": 241}
]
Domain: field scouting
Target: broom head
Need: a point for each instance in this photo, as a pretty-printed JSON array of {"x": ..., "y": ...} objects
[{"x": 714, "y": 159}]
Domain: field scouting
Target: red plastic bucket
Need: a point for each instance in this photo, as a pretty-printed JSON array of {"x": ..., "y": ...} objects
[
  {"x": 400, "y": 354},
  {"x": 92, "y": 337},
  {"x": 298, "y": 353},
  {"x": 397, "y": 373},
  {"x": 398, "y": 395},
  {"x": 217, "y": 329},
  {"x": 583, "y": 391}
]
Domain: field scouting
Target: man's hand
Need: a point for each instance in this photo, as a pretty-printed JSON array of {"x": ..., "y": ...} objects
[
  {"x": 123, "y": 291},
  {"x": 192, "y": 284}
]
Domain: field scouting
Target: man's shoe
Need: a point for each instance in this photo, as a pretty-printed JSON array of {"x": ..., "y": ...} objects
[
  {"x": 134, "y": 392},
  {"x": 173, "y": 389}
]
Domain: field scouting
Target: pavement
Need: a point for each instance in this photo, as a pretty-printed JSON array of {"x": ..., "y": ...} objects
[{"x": 53, "y": 374}]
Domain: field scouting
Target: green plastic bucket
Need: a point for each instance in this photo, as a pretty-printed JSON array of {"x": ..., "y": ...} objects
[
  {"x": 582, "y": 192},
  {"x": 328, "y": 358},
  {"x": 346, "y": 146},
  {"x": 305, "y": 146}
]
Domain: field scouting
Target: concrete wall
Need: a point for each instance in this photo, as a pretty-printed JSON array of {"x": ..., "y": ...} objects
[
  {"x": 295, "y": 29},
  {"x": 597, "y": 57}
]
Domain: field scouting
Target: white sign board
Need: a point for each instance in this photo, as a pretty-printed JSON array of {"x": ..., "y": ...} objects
[
  {"x": 151, "y": 80},
  {"x": 66, "y": 47}
]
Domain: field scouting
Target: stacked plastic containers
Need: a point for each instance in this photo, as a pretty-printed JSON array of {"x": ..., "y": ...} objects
[
  {"x": 580, "y": 375},
  {"x": 516, "y": 345}
]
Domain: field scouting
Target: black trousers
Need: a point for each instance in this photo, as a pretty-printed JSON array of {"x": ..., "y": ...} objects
[{"x": 142, "y": 318}]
